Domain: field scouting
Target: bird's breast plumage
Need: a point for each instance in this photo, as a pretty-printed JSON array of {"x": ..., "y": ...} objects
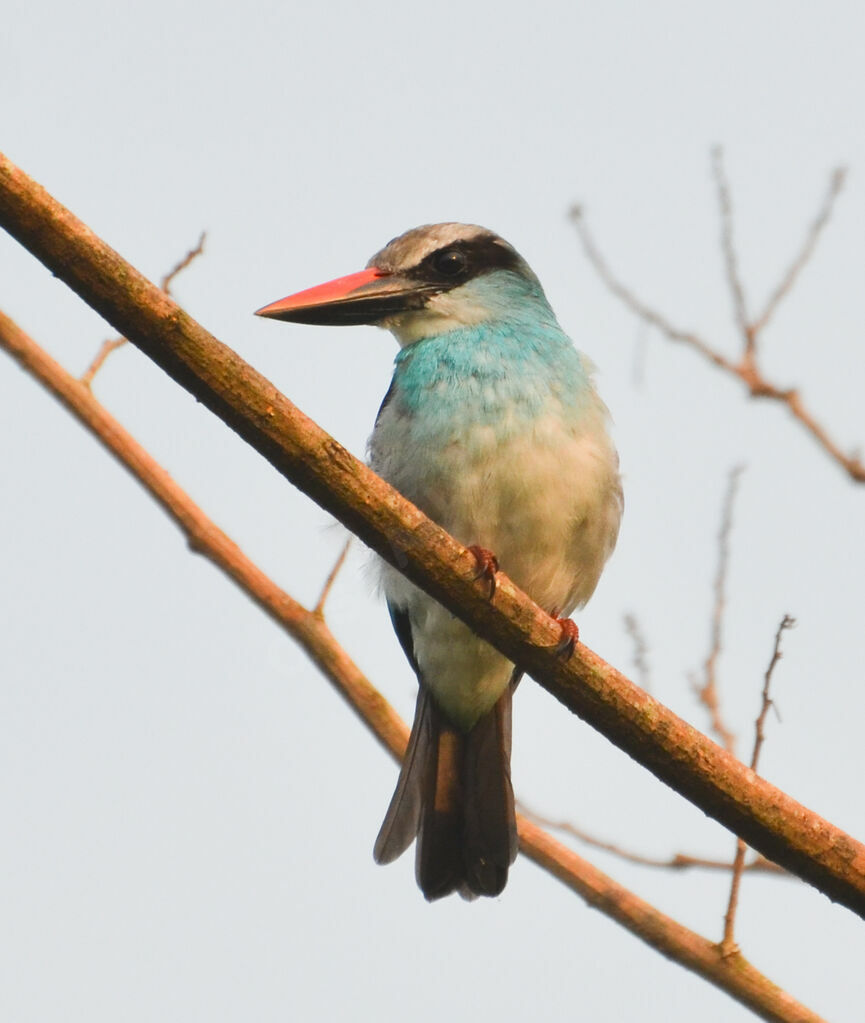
[{"x": 496, "y": 432}]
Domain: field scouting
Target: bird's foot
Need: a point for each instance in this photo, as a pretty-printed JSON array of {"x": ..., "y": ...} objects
[
  {"x": 488, "y": 565},
  {"x": 569, "y": 638}
]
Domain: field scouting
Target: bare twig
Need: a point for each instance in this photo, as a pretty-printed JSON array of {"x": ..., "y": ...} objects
[
  {"x": 787, "y": 622},
  {"x": 331, "y": 578},
  {"x": 636, "y": 305},
  {"x": 679, "y": 861},
  {"x": 109, "y": 346},
  {"x": 731, "y": 262},
  {"x": 745, "y": 368},
  {"x": 728, "y": 943},
  {"x": 183, "y": 263},
  {"x": 641, "y": 651},
  {"x": 112, "y": 344},
  {"x": 770, "y": 820},
  {"x": 708, "y": 691},
  {"x": 734, "y": 975},
  {"x": 812, "y": 236}
]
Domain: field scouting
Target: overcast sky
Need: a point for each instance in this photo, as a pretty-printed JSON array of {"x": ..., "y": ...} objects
[{"x": 188, "y": 809}]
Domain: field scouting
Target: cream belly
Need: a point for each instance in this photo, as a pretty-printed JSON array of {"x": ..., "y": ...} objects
[{"x": 546, "y": 501}]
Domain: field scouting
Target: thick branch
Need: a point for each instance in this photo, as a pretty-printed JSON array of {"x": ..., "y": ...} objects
[
  {"x": 678, "y": 754},
  {"x": 734, "y": 976}
]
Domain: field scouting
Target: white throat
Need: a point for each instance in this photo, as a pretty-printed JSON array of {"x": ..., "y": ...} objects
[{"x": 442, "y": 314}]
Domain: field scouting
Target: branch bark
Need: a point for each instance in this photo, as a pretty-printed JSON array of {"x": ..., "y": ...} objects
[
  {"x": 731, "y": 974},
  {"x": 769, "y": 820}
]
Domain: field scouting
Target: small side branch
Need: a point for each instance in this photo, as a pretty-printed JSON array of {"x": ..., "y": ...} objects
[
  {"x": 112, "y": 344},
  {"x": 803, "y": 256},
  {"x": 641, "y": 651},
  {"x": 331, "y": 578},
  {"x": 708, "y": 691},
  {"x": 728, "y": 943},
  {"x": 678, "y": 861},
  {"x": 183, "y": 263},
  {"x": 745, "y": 368},
  {"x": 108, "y": 346},
  {"x": 787, "y": 622},
  {"x": 637, "y": 306},
  {"x": 731, "y": 261}
]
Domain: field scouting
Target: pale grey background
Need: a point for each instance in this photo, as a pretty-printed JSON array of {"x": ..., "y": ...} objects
[{"x": 188, "y": 810}]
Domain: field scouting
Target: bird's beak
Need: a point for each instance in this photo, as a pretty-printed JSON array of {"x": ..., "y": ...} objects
[{"x": 369, "y": 296}]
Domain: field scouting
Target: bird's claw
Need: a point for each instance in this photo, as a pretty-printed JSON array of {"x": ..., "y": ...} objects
[
  {"x": 487, "y": 564},
  {"x": 569, "y": 638}
]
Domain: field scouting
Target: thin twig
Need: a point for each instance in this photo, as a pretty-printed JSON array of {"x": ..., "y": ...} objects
[
  {"x": 708, "y": 691},
  {"x": 641, "y": 651},
  {"x": 809, "y": 244},
  {"x": 331, "y": 578},
  {"x": 635, "y": 304},
  {"x": 109, "y": 346},
  {"x": 731, "y": 262},
  {"x": 728, "y": 943},
  {"x": 746, "y": 368},
  {"x": 182, "y": 264},
  {"x": 112, "y": 344},
  {"x": 736, "y": 976},
  {"x": 679, "y": 861},
  {"x": 787, "y": 622}
]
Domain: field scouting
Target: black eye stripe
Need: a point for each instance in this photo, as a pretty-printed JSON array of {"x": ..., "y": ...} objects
[{"x": 464, "y": 259}]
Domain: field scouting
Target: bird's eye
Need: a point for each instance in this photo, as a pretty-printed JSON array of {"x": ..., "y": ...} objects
[{"x": 450, "y": 262}]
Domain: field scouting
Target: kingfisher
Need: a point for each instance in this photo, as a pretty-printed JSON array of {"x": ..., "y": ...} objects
[{"x": 492, "y": 426}]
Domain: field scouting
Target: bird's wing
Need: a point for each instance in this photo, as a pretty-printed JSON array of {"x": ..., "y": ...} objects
[{"x": 402, "y": 627}]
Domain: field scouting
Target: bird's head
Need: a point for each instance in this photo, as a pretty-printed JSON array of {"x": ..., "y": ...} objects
[{"x": 428, "y": 281}]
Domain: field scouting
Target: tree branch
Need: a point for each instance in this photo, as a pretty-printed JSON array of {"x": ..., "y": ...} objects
[
  {"x": 331, "y": 578},
  {"x": 708, "y": 692},
  {"x": 746, "y": 368},
  {"x": 728, "y": 944},
  {"x": 640, "y": 656},
  {"x": 731, "y": 262},
  {"x": 675, "y": 752},
  {"x": 812, "y": 236},
  {"x": 679, "y": 861},
  {"x": 738, "y": 978}
]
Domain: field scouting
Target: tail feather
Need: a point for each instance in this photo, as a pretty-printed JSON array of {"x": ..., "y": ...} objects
[
  {"x": 490, "y": 821},
  {"x": 402, "y": 820},
  {"x": 439, "y": 857},
  {"x": 454, "y": 793}
]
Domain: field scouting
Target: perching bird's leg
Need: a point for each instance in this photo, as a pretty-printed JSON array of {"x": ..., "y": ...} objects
[
  {"x": 488, "y": 565},
  {"x": 569, "y": 638}
]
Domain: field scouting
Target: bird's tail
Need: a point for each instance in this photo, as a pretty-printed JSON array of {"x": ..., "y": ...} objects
[{"x": 454, "y": 794}]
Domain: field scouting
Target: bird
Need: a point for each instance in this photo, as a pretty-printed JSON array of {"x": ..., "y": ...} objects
[{"x": 492, "y": 426}]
